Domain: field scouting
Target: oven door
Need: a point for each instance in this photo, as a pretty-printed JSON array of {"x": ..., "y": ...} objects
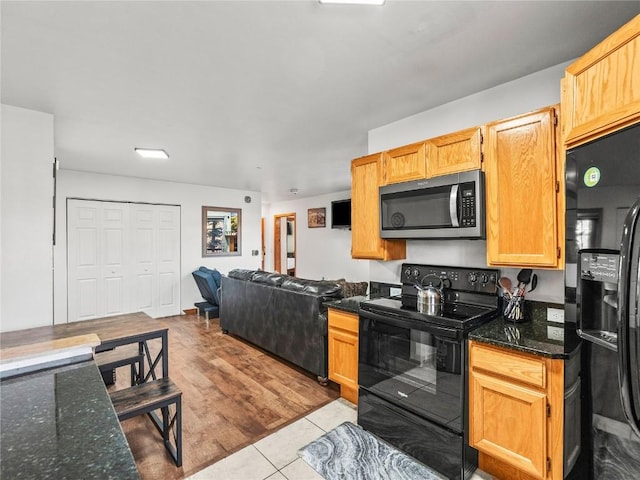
[{"x": 413, "y": 364}]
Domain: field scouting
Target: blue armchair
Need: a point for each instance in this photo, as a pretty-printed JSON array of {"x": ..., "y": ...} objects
[{"x": 208, "y": 282}]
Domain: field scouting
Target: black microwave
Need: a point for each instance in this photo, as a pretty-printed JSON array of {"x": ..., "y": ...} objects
[{"x": 448, "y": 206}]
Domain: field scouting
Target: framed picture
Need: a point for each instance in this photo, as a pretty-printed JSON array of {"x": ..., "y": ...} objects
[{"x": 317, "y": 217}]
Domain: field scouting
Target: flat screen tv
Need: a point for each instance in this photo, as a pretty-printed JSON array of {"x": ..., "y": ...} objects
[{"x": 341, "y": 214}]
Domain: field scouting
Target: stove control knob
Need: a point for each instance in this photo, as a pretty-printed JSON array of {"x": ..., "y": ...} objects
[
  {"x": 484, "y": 278},
  {"x": 407, "y": 272},
  {"x": 416, "y": 273},
  {"x": 472, "y": 277}
]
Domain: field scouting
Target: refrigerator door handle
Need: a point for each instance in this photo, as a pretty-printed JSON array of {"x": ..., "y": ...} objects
[{"x": 628, "y": 341}]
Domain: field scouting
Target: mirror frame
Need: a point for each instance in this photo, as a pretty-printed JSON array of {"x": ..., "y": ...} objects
[{"x": 238, "y": 212}]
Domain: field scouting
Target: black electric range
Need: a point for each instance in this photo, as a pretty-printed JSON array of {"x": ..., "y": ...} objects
[{"x": 412, "y": 366}]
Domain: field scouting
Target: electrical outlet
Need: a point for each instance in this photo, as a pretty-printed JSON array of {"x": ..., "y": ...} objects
[
  {"x": 555, "y": 333},
  {"x": 555, "y": 315}
]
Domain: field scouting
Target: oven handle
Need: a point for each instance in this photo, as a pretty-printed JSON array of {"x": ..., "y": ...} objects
[{"x": 401, "y": 322}]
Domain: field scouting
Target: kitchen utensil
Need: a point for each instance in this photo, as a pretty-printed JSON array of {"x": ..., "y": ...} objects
[
  {"x": 506, "y": 285},
  {"x": 534, "y": 282},
  {"x": 524, "y": 276}
]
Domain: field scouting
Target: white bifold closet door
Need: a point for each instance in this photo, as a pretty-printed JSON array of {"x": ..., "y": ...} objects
[{"x": 122, "y": 258}]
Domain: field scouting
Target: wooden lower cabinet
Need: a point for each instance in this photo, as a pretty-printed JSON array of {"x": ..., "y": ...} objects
[
  {"x": 516, "y": 412},
  {"x": 343, "y": 352}
]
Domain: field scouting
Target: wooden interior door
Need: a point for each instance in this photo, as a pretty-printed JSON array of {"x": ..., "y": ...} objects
[
  {"x": 264, "y": 250},
  {"x": 277, "y": 259},
  {"x": 278, "y": 233}
]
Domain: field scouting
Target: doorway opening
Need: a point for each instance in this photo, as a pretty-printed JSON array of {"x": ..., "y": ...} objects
[{"x": 284, "y": 243}]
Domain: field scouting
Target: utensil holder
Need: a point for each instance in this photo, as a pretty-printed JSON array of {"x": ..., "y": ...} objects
[{"x": 514, "y": 309}]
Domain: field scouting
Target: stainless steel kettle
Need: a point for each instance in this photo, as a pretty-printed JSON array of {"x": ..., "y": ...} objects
[{"x": 430, "y": 297}]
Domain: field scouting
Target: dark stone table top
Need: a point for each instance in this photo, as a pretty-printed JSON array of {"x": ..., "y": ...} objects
[
  {"x": 60, "y": 423},
  {"x": 534, "y": 335}
]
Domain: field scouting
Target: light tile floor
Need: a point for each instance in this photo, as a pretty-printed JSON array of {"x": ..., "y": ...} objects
[{"x": 275, "y": 457}]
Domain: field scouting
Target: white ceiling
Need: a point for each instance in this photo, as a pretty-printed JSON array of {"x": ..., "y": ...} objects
[{"x": 267, "y": 95}]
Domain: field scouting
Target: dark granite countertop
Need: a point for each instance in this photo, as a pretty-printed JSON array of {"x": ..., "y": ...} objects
[
  {"x": 535, "y": 335},
  {"x": 60, "y": 423},
  {"x": 348, "y": 304}
]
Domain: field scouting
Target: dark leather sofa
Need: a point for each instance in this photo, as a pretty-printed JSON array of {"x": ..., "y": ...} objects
[{"x": 284, "y": 315}]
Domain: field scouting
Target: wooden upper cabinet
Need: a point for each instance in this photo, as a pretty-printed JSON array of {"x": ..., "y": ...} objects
[
  {"x": 403, "y": 164},
  {"x": 455, "y": 152},
  {"x": 522, "y": 191},
  {"x": 601, "y": 90},
  {"x": 365, "y": 213}
]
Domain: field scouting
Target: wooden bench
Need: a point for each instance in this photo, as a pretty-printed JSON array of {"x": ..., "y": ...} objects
[
  {"x": 119, "y": 357},
  {"x": 148, "y": 397}
]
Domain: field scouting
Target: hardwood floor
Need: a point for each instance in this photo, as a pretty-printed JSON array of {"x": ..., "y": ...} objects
[{"x": 233, "y": 394}]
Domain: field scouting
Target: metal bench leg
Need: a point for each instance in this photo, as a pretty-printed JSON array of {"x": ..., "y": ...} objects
[
  {"x": 178, "y": 438},
  {"x": 174, "y": 422},
  {"x": 134, "y": 375}
]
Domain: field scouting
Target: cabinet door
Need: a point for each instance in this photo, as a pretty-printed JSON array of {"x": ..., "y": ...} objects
[
  {"x": 343, "y": 352},
  {"x": 453, "y": 153},
  {"x": 601, "y": 90},
  {"x": 521, "y": 191},
  {"x": 365, "y": 216},
  {"x": 509, "y": 422},
  {"x": 404, "y": 164},
  {"x": 343, "y": 357}
]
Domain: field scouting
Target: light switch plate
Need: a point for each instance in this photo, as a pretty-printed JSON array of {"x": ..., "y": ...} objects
[{"x": 555, "y": 315}]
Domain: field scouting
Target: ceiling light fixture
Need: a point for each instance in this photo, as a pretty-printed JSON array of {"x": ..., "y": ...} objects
[
  {"x": 354, "y": 2},
  {"x": 152, "y": 153}
]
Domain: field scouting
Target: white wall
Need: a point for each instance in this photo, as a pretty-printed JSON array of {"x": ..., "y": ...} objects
[
  {"x": 320, "y": 252},
  {"x": 26, "y": 219},
  {"x": 519, "y": 96},
  {"x": 191, "y": 198}
]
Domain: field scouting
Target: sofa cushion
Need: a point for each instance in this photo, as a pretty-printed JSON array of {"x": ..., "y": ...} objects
[
  {"x": 274, "y": 279},
  {"x": 241, "y": 274},
  {"x": 322, "y": 288}
]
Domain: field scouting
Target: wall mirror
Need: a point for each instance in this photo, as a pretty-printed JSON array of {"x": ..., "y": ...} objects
[{"x": 221, "y": 232}]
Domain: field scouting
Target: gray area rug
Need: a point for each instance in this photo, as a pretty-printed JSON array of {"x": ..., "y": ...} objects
[{"x": 350, "y": 453}]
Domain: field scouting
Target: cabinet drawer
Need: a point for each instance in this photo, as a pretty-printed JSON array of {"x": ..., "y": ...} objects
[
  {"x": 519, "y": 367},
  {"x": 343, "y": 320}
]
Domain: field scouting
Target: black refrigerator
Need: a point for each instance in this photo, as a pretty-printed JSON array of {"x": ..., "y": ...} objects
[{"x": 602, "y": 288}]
